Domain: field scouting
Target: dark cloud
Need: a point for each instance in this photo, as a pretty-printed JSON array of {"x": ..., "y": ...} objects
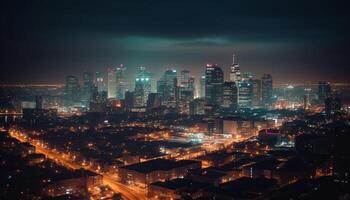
[{"x": 44, "y": 40}]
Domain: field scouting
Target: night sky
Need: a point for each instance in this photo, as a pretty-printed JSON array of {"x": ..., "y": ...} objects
[{"x": 296, "y": 41}]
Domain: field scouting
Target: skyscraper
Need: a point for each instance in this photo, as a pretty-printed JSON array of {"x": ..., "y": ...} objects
[
  {"x": 112, "y": 83},
  {"x": 72, "y": 89},
  {"x": 100, "y": 84},
  {"x": 38, "y": 102},
  {"x": 245, "y": 93},
  {"x": 214, "y": 79},
  {"x": 266, "y": 89},
  {"x": 230, "y": 97},
  {"x": 256, "y": 101},
  {"x": 185, "y": 78},
  {"x": 332, "y": 105},
  {"x": 129, "y": 100},
  {"x": 167, "y": 86},
  {"x": 142, "y": 87},
  {"x": 154, "y": 101},
  {"x": 88, "y": 83},
  {"x": 202, "y": 87},
  {"x": 235, "y": 73},
  {"x": 324, "y": 90},
  {"x": 120, "y": 82}
]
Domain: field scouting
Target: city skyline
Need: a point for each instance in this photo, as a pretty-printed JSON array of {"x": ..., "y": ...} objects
[{"x": 293, "y": 42}]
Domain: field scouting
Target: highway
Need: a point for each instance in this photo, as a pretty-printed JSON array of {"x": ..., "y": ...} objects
[{"x": 127, "y": 192}]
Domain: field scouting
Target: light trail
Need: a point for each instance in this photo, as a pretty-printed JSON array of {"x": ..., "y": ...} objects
[{"x": 126, "y": 192}]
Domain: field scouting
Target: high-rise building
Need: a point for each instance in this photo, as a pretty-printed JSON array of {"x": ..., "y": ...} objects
[
  {"x": 332, "y": 104},
  {"x": 185, "y": 78},
  {"x": 112, "y": 83},
  {"x": 88, "y": 84},
  {"x": 38, "y": 102},
  {"x": 167, "y": 87},
  {"x": 245, "y": 93},
  {"x": 100, "y": 83},
  {"x": 129, "y": 100},
  {"x": 142, "y": 87},
  {"x": 72, "y": 89},
  {"x": 214, "y": 79},
  {"x": 230, "y": 96},
  {"x": 202, "y": 87},
  {"x": 197, "y": 106},
  {"x": 154, "y": 101},
  {"x": 256, "y": 101},
  {"x": 266, "y": 89},
  {"x": 324, "y": 90},
  {"x": 120, "y": 82},
  {"x": 235, "y": 73}
]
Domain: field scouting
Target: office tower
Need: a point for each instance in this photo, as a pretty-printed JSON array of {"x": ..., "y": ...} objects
[
  {"x": 324, "y": 90},
  {"x": 197, "y": 107},
  {"x": 202, "y": 87},
  {"x": 72, "y": 89},
  {"x": 112, "y": 83},
  {"x": 256, "y": 101},
  {"x": 38, "y": 102},
  {"x": 332, "y": 104},
  {"x": 120, "y": 82},
  {"x": 266, "y": 89},
  {"x": 154, "y": 100},
  {"x": 142, "y": 87},
  {"x": 214, "y": 79},
  {"x": 88, "y": 82},
  {"x": 185, "y": 78},
  {"x": 245, "y": 93},
  {"x": 235, "y": 73},
  {"x": 230, "y": 97},
  {"x": 129, "y": 100},
  {"x": 99, "y": 80},
  {"x": 167, "y": 87}
]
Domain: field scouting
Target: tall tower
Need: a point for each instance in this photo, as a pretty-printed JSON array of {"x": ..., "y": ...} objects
[
  {"x": 230, "y": 98},
  {"x": 100, "y": 82},
  {"x": 142, "y": 87},
  {"x": 214, "y": 79},
  {"x": 266, "y": 89},
  {"x": 120, "y": 82},
  {"x": 235, "y": 73},
  {"x": 88, "y": 83},
  {"x": 202, "y": 87},
  {"x": 167, "y": 86},
  {"x": 72, "y": 89},
  {"x": 324, "y": 90},
  {"x": 112, "y": 83}
]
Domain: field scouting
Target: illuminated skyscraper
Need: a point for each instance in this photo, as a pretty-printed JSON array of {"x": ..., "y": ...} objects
[
  {"x": 185, "y": 77},
  {"x": 230, "y": 96},
  {"x": 266, "y": 89},
  {"x": 112, "y": 83},
  {"x": 38, "y": 102},
  {"x": 256, "y": 101},
  {"x": 72, "y": 89},
  {"x": 214, "y": 79},
  {"x": 167, "y": 86},
  {"x": 142, "y": 87},
  {"x": 100, "y": 83},
  {"x": 235, "y": 73},
  {"x": 88, "y": 84},
  {"x": 202, "y": 87},
  {"x": 120, "y": 82},
  {"x": 245, "y": 93},
  {"x": 324, "y": 90}
]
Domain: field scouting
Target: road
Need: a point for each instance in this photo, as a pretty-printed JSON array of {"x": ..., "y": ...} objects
[{"x": 126, "y": 192}]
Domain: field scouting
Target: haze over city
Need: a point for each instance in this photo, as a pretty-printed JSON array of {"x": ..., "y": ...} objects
[
  {"x": 295, "y": 41},
  {"x": 174, "y": 100}
]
